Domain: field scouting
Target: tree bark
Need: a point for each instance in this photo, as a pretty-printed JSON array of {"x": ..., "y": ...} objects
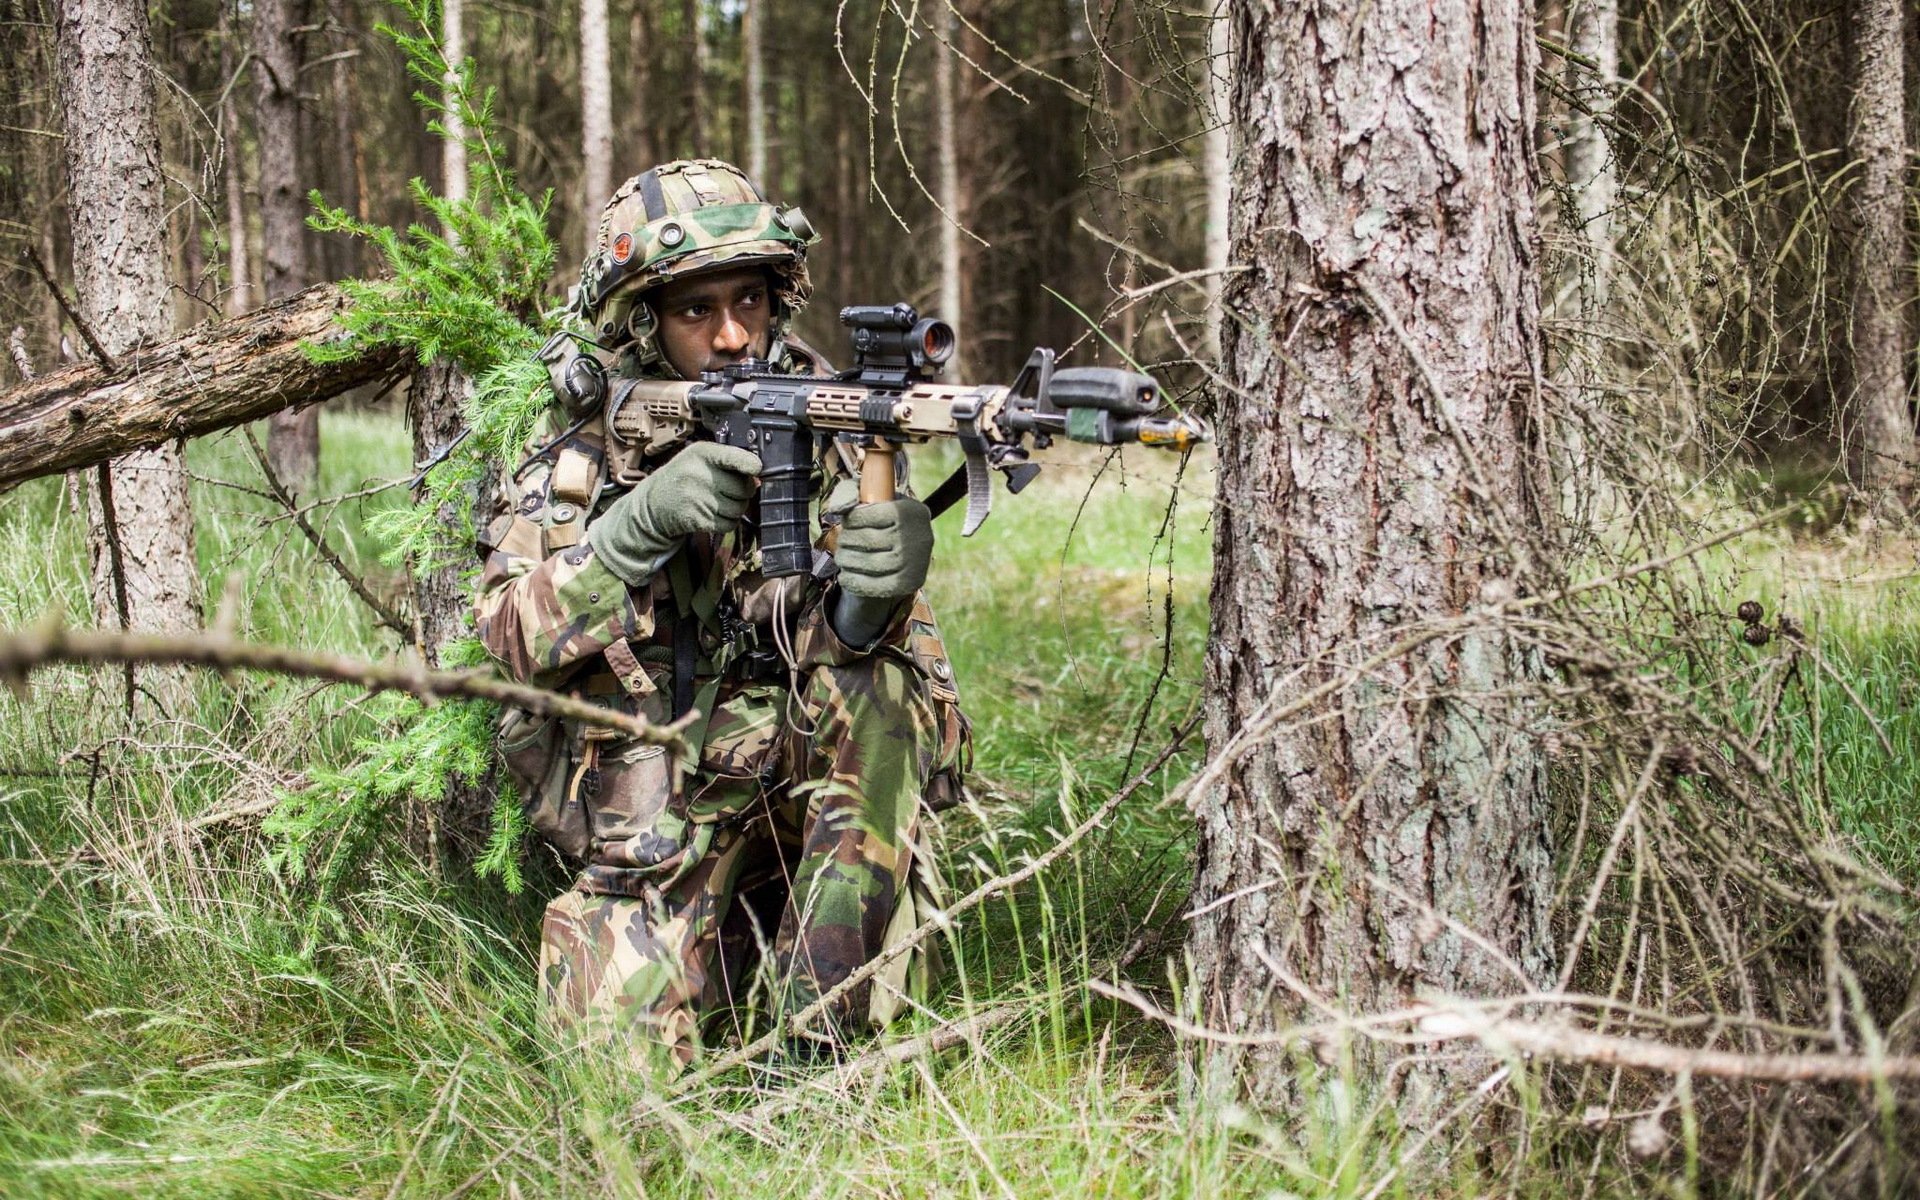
[
  {"x": 217, "y": 376},
  {"x": 1384, "y": 201},
  {"x": 596, "y": 114},
  {"x": 293, "y": 438},
  {"x": 1883, "y": 452},
  {"x": 140, "y": 519}
]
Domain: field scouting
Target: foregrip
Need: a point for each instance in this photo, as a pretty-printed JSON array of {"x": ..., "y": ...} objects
[{"x": 786, "y": 456}]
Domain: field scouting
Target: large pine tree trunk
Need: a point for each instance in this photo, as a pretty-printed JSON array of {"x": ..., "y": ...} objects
[
  {"x": 1385, "y": 181},
  {"x": 1883, "y": 452},
  {"x": 140, "y": 519},
  {"x": 596, "y": 115},
  {"x": 293, "y": 438}
]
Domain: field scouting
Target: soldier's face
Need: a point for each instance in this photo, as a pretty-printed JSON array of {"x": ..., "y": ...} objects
[{"x": 709, "y": 321}]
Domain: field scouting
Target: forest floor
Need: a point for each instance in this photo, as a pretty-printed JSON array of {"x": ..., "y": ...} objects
[{"x": 176, "y": 1017}]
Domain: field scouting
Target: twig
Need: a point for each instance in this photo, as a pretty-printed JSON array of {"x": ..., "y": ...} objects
[
  {"x": 1578, "y": 1045},
  {"x": 381, "y": 610},
  {"x": 17, "y": 350},
  {"x": 99, "y": 352},
  {"x": 116, "y": 562},
  {"x": 940, "y": 920},
  {"x": 52, "y": 641}
]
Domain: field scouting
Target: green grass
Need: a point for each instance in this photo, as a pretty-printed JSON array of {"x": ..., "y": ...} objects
[{"x": 177, "y": 1019}]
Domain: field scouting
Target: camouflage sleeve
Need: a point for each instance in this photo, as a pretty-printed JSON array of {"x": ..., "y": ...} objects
[
  {"x": 539, "y": 614},
  {"x": 816, "y": 644}
]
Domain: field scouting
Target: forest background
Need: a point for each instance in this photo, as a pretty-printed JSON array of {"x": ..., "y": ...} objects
[{"x": 263, "y": 933}]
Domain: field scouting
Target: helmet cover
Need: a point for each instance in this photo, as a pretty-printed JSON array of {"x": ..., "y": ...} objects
[{"x": 681, "y": 219}]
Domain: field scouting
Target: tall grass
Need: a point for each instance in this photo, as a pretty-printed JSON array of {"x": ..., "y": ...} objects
[{"x": 175, "y": 1018}]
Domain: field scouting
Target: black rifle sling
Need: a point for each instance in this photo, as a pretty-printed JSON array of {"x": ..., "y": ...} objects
[
  {"x": 951, "y": 489},
  {"x": 686, "y": 646}
]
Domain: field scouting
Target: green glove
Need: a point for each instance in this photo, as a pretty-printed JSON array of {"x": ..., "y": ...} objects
[
  {"x": 703, "y": 489},
  {"x": 885, "y": 548}
]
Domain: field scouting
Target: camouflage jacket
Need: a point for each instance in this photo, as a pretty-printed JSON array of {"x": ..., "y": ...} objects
[{"x": 554, "y": 615}]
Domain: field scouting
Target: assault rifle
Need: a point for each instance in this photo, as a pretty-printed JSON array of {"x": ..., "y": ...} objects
[{"x": 887, "y": 398}]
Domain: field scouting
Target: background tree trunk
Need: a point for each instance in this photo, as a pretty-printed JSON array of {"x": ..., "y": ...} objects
[
  {"x": 1217, "y": 163},
  {"x": 1386, "y": 177},
  {"x": 144, "y": 575},
  {"x": 754, "y": 68},
  {"x": 453, "y": 148},
  {"x": 596, "y": 114},
  {"x": 293, "y": 438},
  {"x": 239, "y": 297},
  {"x": 1594, "y": 30},
  {"x": 693, "y": 80},
  {"x": 1881, "y": 440},
  {"x": 642, "y": 119},
  {"x": 947, "y": 189}
]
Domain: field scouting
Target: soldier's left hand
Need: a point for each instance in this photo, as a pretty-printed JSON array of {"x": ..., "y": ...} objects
[{"x": 885, "y": 548}]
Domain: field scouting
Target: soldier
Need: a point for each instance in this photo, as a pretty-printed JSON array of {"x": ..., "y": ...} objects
[{"x": 787, "y": 847}]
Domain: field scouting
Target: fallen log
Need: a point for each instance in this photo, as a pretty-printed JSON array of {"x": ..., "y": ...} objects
[{"x": 217, "y": 375}]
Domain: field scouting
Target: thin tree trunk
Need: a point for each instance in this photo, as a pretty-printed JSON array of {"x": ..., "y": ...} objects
[
  {"x": 293, "y": 438},
  {"x": 596, "y": 113},
  {"x": 752, "y": 16},
  {"x": 640, "y": 129},
  {"x": 947, "y": 190},
  {"x": 239, "y": 297},
  {"x": 349, "y": 190},
  {"x": 1384, "y": 201},
  {"x": 453, "y": 148},
  {"x": 1883, "y": 453},
  {"x": 693, "y": 77},
  {"x": 1595, "y": 33},
  {"x": 1217, "y": 163},
  {"x": 140, "y": 520}
]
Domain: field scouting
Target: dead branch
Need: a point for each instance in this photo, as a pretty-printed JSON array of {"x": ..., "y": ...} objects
[
  {"x": 52, "y": 641},
  {"x": 220, "y": 374},
  {"x": 382, "y": 611},
  {"x": 1566, "y": 1044}
]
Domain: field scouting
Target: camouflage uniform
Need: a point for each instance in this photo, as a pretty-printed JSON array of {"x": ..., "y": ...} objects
[{"x": 795, "y": 825}]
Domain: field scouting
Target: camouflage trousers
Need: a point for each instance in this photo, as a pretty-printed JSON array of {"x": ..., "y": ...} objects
[{"x": 820, "y": 843}]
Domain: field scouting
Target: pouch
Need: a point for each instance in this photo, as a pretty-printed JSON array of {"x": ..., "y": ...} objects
[
  {"x": 534, "y": 753},
  {"x": 627, "y": 788}
]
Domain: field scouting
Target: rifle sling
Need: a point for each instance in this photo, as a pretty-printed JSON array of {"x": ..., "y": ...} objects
[{"x": 951, "y": 489}]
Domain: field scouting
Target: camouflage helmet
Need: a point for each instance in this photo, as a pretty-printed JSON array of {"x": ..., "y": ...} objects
[{"x": 679, "y": 219}]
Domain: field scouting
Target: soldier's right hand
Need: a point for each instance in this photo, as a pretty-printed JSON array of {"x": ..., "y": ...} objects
[{"x": 703, "y": 489}]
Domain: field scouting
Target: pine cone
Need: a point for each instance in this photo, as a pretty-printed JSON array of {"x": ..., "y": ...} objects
[{"x": 1750, "y": 611}]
